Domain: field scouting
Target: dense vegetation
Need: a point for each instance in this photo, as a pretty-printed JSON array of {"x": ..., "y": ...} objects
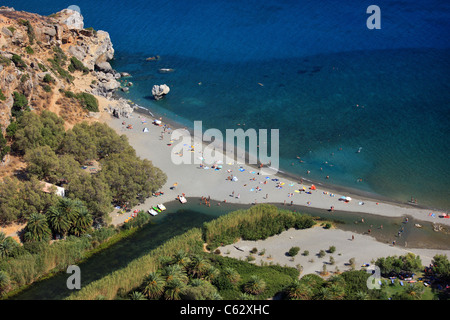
[
  {"x": 180, "y": 269},
  {"x": 22, "y": 265},
  {"x": 258, "y": 222},
  {"x": 4, "y": 148},
  {"x": 56, "y": 156}
]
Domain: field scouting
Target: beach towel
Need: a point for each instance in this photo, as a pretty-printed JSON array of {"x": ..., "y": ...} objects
[{"x": 241, "y": 169}]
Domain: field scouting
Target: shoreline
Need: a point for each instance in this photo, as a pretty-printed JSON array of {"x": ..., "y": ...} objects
[
  {"x": 353, "y": 192},
  {"x": 196, "y": 182}
]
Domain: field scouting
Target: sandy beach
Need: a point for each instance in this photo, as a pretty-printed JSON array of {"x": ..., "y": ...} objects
[
  {"x": 196, "y": 181},
  {"x": 362, "y": 248}
]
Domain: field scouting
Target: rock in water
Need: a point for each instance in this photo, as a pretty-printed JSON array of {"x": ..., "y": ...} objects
[{"x": 160, "y": 91}]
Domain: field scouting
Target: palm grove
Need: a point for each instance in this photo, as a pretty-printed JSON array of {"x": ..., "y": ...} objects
[{"x": 56, "y": 156}]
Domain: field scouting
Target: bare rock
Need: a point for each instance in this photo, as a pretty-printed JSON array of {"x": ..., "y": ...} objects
[{"x": 159, "y": 91}]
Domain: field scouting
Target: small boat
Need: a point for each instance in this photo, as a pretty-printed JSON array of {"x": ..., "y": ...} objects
[
  {"x": 166, "y": 70},
  {"x": 418, "y": 225},
  {"x": 152, "y": 212},
  {"x": 161, "y": 207},
  {"x": 182, "y": 199},
  {"x": 156, "y": 209}
]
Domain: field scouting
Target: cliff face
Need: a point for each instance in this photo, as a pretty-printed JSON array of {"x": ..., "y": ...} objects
[{"x": 44, "y": 57}]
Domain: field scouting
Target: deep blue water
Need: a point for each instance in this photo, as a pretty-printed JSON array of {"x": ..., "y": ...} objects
[{"x": 329, "y": 84}]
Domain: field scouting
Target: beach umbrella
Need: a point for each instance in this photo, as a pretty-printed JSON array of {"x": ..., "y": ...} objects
[
  {"x": 313, "y": 187},
  {"x": 348, "y": 199}
]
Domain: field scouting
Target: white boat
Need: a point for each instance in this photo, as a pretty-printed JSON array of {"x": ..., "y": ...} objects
[
  {"x": 161, "y": 207},
  {"x": 152, "y": 212},
  {"x": 182, "y": 199}
]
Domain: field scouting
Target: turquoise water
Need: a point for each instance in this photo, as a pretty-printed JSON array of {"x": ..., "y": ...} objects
[{"x": 330, "y": 85}]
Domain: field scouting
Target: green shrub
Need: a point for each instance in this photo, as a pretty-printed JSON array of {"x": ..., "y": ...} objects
[
  {"x": 18, "y": 61},
  {"x": 88, "y": 101},
  {"x": 48, "y": 78},
  {"x": 2, "y": 96},
  {"x": 42, "y": 67},
  {"x": 293, "y": 251},
  {"x": 29, "y": 50},
  {"x": 258, "y": 222},
  {"x": 47, "y": 88},
  {"x": 76, "y": 64}
]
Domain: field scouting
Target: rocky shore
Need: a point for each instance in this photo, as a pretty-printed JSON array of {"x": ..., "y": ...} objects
[{"x": 51, "y": 59}]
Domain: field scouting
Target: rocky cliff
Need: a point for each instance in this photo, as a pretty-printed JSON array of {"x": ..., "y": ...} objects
[{"x": 51, "y": 60}]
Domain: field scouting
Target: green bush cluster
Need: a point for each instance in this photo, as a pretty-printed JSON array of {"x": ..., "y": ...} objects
[
  {"x": 258, "y": 222},
  {"x": 56, "y": 156},
  {"x": 25, "y": 264},
  {"x": 76, "y": 64},
  {"x": 17, "y": 60}
]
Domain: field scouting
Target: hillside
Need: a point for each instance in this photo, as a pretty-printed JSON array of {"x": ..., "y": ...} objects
[{"x": 52, "y": 62}]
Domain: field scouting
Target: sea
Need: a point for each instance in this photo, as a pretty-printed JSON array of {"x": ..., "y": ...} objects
[{"x": 367, "y": 108}]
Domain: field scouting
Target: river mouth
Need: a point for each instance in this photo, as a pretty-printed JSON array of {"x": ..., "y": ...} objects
[{"x": 178, "y": 218}]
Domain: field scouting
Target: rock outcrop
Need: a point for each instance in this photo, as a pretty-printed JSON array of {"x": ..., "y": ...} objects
[
  {"x": 120, "y": 108},
  {"x": 40, "y": 58},
  {"x": 159, "y": 91}
]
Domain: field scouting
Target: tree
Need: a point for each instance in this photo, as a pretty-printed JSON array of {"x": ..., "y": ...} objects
[
  {"x": 37, "y": 228},
  {"x": 58, "y": 220},
  {"x": 5, "y": 282},
  {"x": 232, "y": 275},
  {"x": 82, "y": 223},
  {"x": 174, "y": 272},
  {"x": 255, "y": 285},
  {"x": 293, "y": 251},
  {"x": 4, "y": 148},
  {"x": 174, "y": 289},
  {"x": 181, "y": 258},
  {"x": 441, "y": 266},
  {"x": 67, "y": 215},
  {"x": 42, "y": 162},
  {"x": 153, "y": 285},
  {"x": 7, "y": 245},
  {"x": 298, "y": 291},
  {"x": 198, "y": 266},
  {"x": 136, "y": 295}
]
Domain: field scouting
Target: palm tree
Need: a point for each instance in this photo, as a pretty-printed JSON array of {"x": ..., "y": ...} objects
[
  {"x": 173, "y": 289},
  {"x": 231, "y": 275},
  {"x": 7, "y": 245},
  {"x": 153, "y": 285},
  {"x": 198, "y": 266},
  {"x": 37, "y": 228},
  {"x": 136, "y": 295},
  {"x": 298, "y": 290},
  {"x": 255, "y": 285},
  {"x": 246, "y": 296},
  {"x": 414, "y": 291},
  {"x": 211, "y": 273},
  {"x": 337, "y": 291},
  {"x": 174, "y": 272},
  {"x": 181, "y": 258},
  {"x": 58, "y": 220},
  {"x": 82, "y": 223},
  {"x": 325, "y": 294},
  {"x": 361, "y": 295}
]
